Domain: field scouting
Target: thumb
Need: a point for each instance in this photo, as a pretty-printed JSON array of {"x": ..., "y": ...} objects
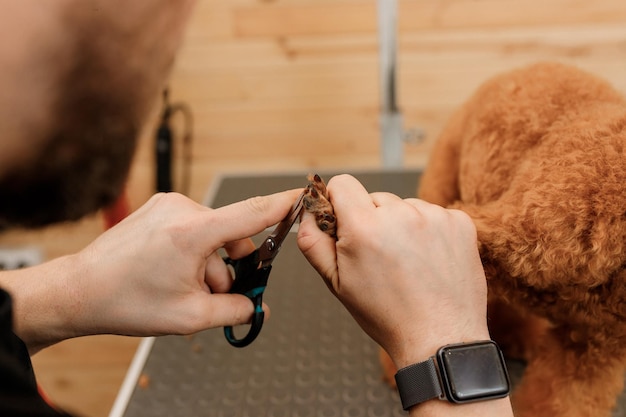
[{"x": 319, "y": 249}]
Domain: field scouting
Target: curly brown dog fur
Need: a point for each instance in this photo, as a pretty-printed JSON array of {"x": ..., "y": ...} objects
[{"x": 537, "y": 158}]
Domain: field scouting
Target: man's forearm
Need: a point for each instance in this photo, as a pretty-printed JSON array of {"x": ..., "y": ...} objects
[{"x": 45, "y": 303}]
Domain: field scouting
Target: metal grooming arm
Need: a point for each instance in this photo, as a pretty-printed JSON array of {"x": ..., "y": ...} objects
[{"x": 391, "y": 127}]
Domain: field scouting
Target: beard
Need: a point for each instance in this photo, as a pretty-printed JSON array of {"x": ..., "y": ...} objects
[
  {"x": 106, "y": 73},
  {"x": 81, "y": 162},
  {"x": 73, "y": 175}
]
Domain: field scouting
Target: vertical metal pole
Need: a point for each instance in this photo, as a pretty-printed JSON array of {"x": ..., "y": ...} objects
[{"x": 391, "y": 126}]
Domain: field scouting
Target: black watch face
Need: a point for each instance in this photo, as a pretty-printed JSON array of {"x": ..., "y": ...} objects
[{"x": 473, "y": 372}]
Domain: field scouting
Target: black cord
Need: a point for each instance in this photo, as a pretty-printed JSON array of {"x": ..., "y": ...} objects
[{"x": 165, "y": 147}]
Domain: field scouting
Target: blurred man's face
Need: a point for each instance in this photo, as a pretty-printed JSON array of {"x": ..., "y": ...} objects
[{"x": 78, "y": 78}]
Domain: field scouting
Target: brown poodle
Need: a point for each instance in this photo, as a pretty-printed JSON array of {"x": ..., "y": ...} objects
[{"x": 537, "y": 158}]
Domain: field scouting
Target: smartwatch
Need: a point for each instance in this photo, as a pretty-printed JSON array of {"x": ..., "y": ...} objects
[{"x": 459, "y": 373}]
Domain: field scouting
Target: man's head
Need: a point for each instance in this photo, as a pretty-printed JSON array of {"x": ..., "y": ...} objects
[{"x": 77, "y": 80}]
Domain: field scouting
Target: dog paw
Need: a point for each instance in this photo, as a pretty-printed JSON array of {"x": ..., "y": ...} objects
[{"x": 316, "y": 201}]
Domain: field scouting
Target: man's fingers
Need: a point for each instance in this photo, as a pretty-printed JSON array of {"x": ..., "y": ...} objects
[
  {"x": 352, "y": 203},
  {"x": 318, "y": 248},
  {"x": 249, "y": 217},
  {"x": 239, "y": 248},
  {"x": 381, "y": 199},
  {"x": 218, "y": 310},
  {"x": 348, "y": 195},
  {"x": 217, "y": 274}
]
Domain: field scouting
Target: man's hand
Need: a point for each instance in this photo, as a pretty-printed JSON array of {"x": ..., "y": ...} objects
[
  {"x": 157, "y": 272},
  {"x": 408, "y": 271}
]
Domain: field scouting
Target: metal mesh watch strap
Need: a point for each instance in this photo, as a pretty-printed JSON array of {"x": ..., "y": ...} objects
[{"x": 418, "y": 383}]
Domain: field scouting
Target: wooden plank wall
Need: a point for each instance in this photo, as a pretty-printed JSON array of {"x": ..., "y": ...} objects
[
  {"x": 293, "y": 84},
  {"x": 280, "y": 84}
]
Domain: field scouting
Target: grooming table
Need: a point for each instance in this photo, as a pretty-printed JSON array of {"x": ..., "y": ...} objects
[{"x": 310, "y": 360}]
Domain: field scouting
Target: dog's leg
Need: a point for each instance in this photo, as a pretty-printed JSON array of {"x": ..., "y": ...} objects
[
  {"x": 517, "y": 333},
  {"x": 572, "y": 381}
]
